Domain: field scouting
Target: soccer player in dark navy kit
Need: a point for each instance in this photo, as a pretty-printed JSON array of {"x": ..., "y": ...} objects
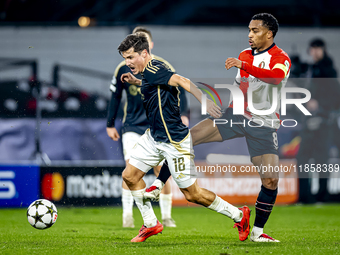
[
  {"x": 135, "y": 123},
  {"x": 167, "y": 138}
]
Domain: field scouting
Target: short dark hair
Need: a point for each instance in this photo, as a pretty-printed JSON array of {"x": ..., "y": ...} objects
[
  {"x": 268, "y": 21},
  {"x": 138, "y": 41},
  {"x": 317, "y": 42},
  {"x": 142, "y": 29}
]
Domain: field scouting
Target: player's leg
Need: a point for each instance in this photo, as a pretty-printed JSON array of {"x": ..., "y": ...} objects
[
  {"x": 267, "y": 196},
  {"x": 209, "y": 199},
  {"x": 203, "y": 132},
  {"x": 182, "y": 167},
  {"x": 144, "y": 156},
  {"x": 165, "y": 201},
  {"x": 127, "y": 204},
  {"x": 154, "y": 191},
  {"x": 129, "y": 139},
  {"x": 133, "y": 177},
  {"x": 240, "y": 216},
  {"x": 263, "y": 148}
]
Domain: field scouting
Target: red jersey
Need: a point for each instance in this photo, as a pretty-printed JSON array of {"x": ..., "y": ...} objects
[{"x": 260, "y": 73}]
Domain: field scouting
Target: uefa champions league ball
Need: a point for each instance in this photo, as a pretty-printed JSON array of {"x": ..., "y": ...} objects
[{"x": 42, "y": 214}]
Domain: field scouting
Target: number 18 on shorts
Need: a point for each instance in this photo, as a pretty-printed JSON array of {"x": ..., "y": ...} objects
[{"x": 148, "y": 153}]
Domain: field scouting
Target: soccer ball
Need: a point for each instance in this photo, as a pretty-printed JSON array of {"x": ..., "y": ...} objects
[{"x": 42, "y": 214}]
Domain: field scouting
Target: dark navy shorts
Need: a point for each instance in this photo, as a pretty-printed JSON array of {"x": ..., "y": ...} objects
[{"x": 260, "y": 139}]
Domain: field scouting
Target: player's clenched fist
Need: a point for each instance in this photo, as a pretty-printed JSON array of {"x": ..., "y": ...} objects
[
  {"x": 130, "y": 78},
  {"x": 230, "y": 62}
]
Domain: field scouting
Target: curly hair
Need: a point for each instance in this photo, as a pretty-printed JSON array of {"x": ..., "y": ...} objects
[
  {"x": 268, "y": 21},
  {"x": 138, "y": 41}
]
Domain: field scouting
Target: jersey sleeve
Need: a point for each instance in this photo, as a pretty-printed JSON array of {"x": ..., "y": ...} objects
[
  {"x": 281, "y": 62},
  {"x": 166, "y": 62},
  {"x": 184, "y": 101},
  {"x": 237, "y": 81},
  {"x": 116, "y": 88},
  {"x": 279, "y": 69},
  {"x": 157, "y": 74}
]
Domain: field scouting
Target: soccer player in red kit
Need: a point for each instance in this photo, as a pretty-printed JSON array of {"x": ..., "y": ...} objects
[{"x": 262, "y": 67}]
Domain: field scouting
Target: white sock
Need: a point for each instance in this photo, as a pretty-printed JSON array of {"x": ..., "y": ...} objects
[
  {"x": 145, "y": 208},
  {"x": 158, "y": 183},
  {"x": 165, "y": 203},
  {"x": 127, "y": 202},
  {"x": 257, "y": 231},
  {"x": 223, "y": 207}
]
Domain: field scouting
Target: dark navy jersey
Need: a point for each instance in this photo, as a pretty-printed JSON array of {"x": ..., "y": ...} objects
[
  {"x": 134, "y": 119},
  {"x": 162, "y": 103}
]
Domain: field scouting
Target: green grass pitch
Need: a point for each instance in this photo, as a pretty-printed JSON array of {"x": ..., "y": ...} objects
[{"x": 301, "y": 230}]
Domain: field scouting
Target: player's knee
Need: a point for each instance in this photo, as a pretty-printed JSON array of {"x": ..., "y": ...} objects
[
  {"x": 193, "y": 137},
  {"x": 128, "y": 178},
  {"x": 156, "y": 170},
  {"x": 190, "y": 197},
  {"x": 270, "y": 183}
]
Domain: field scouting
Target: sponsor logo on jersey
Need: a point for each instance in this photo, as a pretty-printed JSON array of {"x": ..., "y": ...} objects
[
  {"x": 262, "y": 64},
  {"x": 134, "y": 90}
]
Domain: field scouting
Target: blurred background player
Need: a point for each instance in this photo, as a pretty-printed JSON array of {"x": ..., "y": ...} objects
[
  {"x": 321, "y": 129},
  {"x": 134, "y": 125}
]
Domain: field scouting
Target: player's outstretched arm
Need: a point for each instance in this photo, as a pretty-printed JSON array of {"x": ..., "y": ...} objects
[
  {"x": 130, "y": 78},
  {"x": 177, "y": 80},
  {"x": 273, "y": 76}
]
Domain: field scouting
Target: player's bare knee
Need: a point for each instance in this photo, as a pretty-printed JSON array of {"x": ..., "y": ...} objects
[
  {"x": 128, "y": 178},
  {"x": 194, "y": 137},
  {"x": 190, "y": 197},
  {"x": 270, "y": 183},
  {"x": 193, "y": 197},
  {"x": 156, "y": 170}
]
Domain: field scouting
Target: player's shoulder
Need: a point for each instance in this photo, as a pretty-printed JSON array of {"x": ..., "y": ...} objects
[
  {"x": 161, "y": 64},
  {"x": 121, "y": 67},
  {"x": 152, "y": 67},
  {"x": 164, "y": 61},
  {"x": 246, "y": 52},
  {"x": 278, "y": 52},
  {"x": 155, "y": 66}
]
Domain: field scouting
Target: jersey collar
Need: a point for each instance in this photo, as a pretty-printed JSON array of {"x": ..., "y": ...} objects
[
  {"x": 148, "y": 63},
  {"x": 260, "y": 52}
]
